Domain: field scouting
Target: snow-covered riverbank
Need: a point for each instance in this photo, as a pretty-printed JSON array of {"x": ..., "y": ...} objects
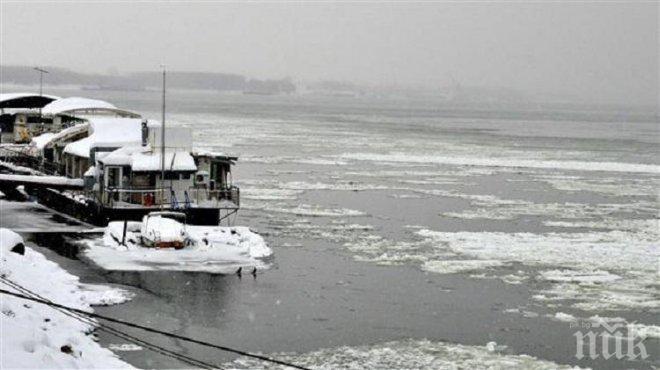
[
  {"x": 214, "y": 249},
  {"x": 36, "y": 336}
]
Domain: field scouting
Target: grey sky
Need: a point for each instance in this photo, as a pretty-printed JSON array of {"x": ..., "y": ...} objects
[{"x": 600, "y": 51}]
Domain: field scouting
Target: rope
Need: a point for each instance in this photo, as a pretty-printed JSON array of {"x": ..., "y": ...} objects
[{"x": 145, "y": 328}]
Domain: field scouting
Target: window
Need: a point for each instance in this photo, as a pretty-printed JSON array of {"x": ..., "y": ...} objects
[{"x": 171, "y": 176}]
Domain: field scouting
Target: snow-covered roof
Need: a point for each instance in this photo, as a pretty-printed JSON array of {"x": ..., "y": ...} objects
[
  {"x": 143, "y": 159},
  {"x": 79, "y": 148},
  {"x": 40, "y": 141},
  {"x": 75, "y": 103},
  {"x": 122, "y": 156},
  {"x": 25, "y": 100},
  {"x": 116, "y": 132},
  {"x": 83, "y": 106},
  {"x": 174, "y": 161},
  {"x": 201, "y": 152},
  {"x": 64, "y": 134},
  {"x": 90, "y": 172},
  {"x": 108, "y": 133}
]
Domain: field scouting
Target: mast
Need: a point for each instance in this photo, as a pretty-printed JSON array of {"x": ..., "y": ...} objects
[{"x": 162, "y": 141}]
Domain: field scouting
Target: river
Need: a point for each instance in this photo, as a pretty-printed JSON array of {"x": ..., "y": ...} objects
[{"x": 402, "y": 224}]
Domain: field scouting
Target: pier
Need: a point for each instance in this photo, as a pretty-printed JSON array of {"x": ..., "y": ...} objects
[{"x": 11, "y": 181}]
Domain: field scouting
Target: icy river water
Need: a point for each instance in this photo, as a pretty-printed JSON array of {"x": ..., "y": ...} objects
[{"x": 410, "y": 235}]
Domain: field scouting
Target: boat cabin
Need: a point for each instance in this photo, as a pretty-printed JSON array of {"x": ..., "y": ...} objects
[
  {"x": 21, "y": 116},
  {"x": 138, "y": 176}
]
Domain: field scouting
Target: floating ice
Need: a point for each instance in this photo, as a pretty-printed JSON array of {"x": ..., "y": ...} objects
[
  {"x": 513, "y": 162},
  {"x": 305, "y": 210},
  {"x": 405, "y": 354},
  {"x": 454, "y": 266},
  {"x": 126, "y": 347},
  {"x": 104, "y": 295},
  {"x": 269, "y": 194},
  {"x": 560, "y": 316},
  {"x": 601, "y": 270},
  {"x": 615, "y": 186},
  {"x": 586, "y": 277}
]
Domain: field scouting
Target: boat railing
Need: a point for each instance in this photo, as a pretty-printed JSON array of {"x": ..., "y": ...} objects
[
  {"x": 21, "y": 157},
  {"x": 131, "y": 197},
  {"x": 155, "y": 197},
  {"x": 220, "y": 198}
]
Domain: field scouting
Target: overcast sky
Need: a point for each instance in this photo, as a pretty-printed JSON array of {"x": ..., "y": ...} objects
[{"x": 600, "y": 51}]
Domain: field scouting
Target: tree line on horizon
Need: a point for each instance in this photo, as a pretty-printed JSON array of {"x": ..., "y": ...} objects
[{"x": 26, "y": 75}]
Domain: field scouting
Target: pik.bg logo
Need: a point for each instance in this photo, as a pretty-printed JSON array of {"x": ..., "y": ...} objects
[{"x": 602, "y": 339}]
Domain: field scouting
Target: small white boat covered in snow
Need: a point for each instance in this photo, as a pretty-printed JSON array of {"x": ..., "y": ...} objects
[{"x": 164, "y": 230}]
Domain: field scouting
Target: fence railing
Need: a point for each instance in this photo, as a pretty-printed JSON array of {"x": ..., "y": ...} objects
[
  {"x": 215, "y": 198},
  {"x": 151, "y": 197},
  {"x": 155, "y": 197}
]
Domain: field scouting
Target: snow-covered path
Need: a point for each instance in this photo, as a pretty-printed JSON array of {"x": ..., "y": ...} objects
[{"x": 36, "y": 336}]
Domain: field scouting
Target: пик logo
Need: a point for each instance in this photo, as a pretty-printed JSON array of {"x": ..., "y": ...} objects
[{"x": 610, "y": 342}]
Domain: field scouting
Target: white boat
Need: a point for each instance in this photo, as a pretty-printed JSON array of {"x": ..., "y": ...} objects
[{"x": 164, "y": 230}]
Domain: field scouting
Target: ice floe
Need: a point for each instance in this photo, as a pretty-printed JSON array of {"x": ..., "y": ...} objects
[
  {"x": 454, "y": 266},
  {"x": 615, "y": 186},
  {"x": 601, "y": 269},
  {"x": 612, "y": 324},
  {"x": 304, "y": 210},
  {"x": 494, "y": 208},
  {"x": 512, "y": 162},
  {"x": 300, "y": 186},
  {"x": 406, "y": 354}
]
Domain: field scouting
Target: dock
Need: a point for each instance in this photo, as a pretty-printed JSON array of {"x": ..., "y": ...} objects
[{"x": 35, "y": 181}]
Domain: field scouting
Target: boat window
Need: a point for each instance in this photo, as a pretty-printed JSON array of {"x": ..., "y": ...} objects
[
  {"x": 113, "y": 177},
  {"x": 171, "y": 176}
]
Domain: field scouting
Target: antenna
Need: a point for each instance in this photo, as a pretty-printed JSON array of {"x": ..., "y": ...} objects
[
  {"x": 41, "y": 83},
  {"x": 41, "y": 79}
]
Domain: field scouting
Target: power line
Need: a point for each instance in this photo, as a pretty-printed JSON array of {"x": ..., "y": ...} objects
[
  {"x": 145, "y": 328},
  {"x": 118, "y": 333}
]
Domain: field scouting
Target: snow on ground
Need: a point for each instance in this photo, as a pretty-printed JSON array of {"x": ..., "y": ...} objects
[
  {"x": 406, "y": 354},
  {"x": 34, "y": 335},
  {"x": 214, "y": 249}
]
